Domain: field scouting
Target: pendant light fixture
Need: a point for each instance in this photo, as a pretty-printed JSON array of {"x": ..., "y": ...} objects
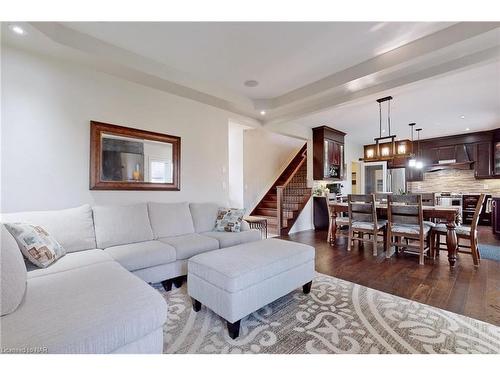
[
  {"x": 419, "y": 164},
  {"x": 413, "y": 161},
  {"x": 386, "y": 149}
]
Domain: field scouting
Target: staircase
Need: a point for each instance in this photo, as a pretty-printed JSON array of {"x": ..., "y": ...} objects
[{"x": 285, "y": 200}]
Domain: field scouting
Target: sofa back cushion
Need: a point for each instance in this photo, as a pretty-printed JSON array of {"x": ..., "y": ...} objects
[
  {"x": 73, "y": 228},
  {"x": 120, "y": 225},
  {"x": 12, "y": 273},
  {"x": 204, "y": 216},
  {"x": 170, "y": 219}
]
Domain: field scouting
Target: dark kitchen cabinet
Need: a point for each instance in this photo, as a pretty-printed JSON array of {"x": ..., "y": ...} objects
[
  {"x": 431, "y": 155},
  {"x": 495, "y": 217},
  {"x": 496, "y": 159},
  {"x": 320, "y": 213},
  {"x": 469, "y": 203},
  {"x": 478, "y": 151},
  {"x": 328, "y": 154},
  {"x": 447, "y": 153},
  {"x": 483, "y": 160},
  {"x": 414, "y": 174}
]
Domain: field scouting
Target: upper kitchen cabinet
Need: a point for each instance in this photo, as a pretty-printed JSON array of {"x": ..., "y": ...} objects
[
  {"x": 478, "y": 151},
  {"x": 414, "y": 174},
  {"x": 495, "y": 168},
  {"x": 483, "y": 158},
  {"x": 496, "y": 158},
  {"x": 328, "y": 154}
]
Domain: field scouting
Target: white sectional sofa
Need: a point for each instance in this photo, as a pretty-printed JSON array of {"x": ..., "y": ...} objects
[{"x": 89, "y": 301}]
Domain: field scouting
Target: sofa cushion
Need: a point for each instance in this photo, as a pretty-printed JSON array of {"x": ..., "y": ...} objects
[
  {"x": 119, "y": 225},
  {"x": 204, "y": 216},
  {"x": 36, "y": 244},
  {"x": 239, "y": 267},
  {"x": 227, "y": 239},
  {"x": 73, "y": 228},
  {"x": 94, "y": 309},
  {"x": 12, "y": 274},
  {"x": 136, "y": 256},
  {"x": 70, "y": 261},
  {"x": 188, "y": 245},
  {"x": 170, "y": 219}
]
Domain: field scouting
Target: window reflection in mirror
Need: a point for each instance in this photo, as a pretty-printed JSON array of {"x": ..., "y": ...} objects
[{"x": 135, "y": 160}]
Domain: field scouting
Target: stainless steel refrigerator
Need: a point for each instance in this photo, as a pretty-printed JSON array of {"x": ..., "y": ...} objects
[{"x": 377, "y": 178}]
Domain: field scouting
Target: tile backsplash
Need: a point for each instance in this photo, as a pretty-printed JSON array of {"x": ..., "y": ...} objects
[{"x": 455, "y": 181}]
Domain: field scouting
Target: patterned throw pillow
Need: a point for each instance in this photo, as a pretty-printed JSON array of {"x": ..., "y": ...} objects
[
  {"x": 229, "y": 220},
  {"x": 38, "y": 246}
]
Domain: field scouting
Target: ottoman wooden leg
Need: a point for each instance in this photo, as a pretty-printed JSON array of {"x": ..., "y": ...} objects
[
  {"x": 167, "y": 284},
  {"x": 196, "y": 305},
  {"x": 178, "y": 282},
  {"x": 306, "y": 288},
  {"x": 234, "y": 329}
]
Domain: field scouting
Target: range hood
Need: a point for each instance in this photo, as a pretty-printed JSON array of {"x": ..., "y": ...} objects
[{"x": 461, "y": 159}]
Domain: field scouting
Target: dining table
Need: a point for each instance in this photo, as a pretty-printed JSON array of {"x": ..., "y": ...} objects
[{"x": 448, "y": 214}]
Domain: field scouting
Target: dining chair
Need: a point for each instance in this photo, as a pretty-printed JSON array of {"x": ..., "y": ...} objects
[
  {"x": 463, "y": 233},
  {"x": 405, "y": 220},
  {"x": 341, "y": 221},
  {"x": 428, "y": 199},
  {"x": 363, "y": 220},
  {"x": 381, "y": 197}
]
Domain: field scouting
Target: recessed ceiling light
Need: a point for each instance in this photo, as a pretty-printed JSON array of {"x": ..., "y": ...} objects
[
  {"x": 467, "y": 129},
  {"x": 383, "y": 130},
  {"x": 17, "y": 29},
  {"x": 462, "y": 117},
  {"x": 251, "y": 83},
  {"x": 262, "y": 113}
]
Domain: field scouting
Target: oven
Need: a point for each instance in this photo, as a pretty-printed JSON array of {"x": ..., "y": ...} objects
[{"x": 449, "y": 200}]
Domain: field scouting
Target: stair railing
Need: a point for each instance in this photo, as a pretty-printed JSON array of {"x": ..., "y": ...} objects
[{"x": 283, "y": 191}]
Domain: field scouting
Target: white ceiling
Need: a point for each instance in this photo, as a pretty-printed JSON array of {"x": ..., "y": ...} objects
[
  {"x": 309, "y": 73},
  {"x": 435, "y": 104},
  {"x": 280, "y": 56}
]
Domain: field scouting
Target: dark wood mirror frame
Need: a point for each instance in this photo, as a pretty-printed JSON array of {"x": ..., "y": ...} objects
[{"x": 97, "y": 129}]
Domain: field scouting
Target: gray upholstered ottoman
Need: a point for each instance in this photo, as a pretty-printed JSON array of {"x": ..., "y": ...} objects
[{"x": 236, "y": 281}]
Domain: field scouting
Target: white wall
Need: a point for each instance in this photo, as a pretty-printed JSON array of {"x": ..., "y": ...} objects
[
  {"x": 46, "y": 108},
  {"x": 353, "y": 151},
  {"x": 266, "y": 154},
  {"x": 235, "y": 165}
]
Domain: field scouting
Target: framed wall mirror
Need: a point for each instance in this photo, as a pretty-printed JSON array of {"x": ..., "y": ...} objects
[{"x": 124, "y": 158}]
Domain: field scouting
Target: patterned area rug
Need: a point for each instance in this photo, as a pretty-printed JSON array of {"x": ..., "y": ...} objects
[
  {"x": 489, "y": 252},
  {"x": 336, "y": 317}
]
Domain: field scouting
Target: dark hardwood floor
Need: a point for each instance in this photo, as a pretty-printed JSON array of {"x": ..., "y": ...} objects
[{"x": 464, "y": 290}]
